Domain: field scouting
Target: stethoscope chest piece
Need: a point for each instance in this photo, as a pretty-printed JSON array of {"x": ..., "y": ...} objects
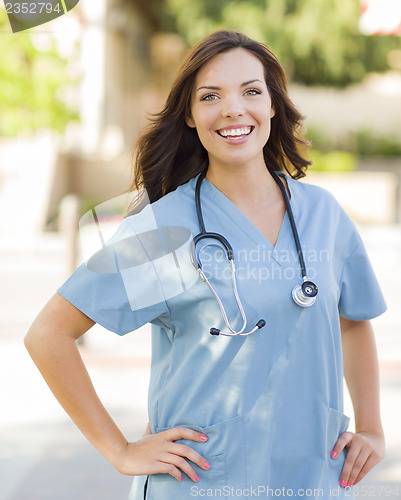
[{"x": 304, "y": 295}]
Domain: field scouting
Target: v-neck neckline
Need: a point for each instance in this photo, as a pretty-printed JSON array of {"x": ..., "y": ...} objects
[{"x": 242, "y": 221}]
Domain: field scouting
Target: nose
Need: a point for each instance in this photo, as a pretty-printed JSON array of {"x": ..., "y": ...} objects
[{"x": 233, "y": 107}]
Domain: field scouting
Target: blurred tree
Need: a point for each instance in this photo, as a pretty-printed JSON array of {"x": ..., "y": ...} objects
[
  {"x": 31, "y": 84},
  {"x": 318, "y": 41}
]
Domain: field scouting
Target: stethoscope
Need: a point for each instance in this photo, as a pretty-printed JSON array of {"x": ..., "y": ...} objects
[{"x": 304, "y": 295}]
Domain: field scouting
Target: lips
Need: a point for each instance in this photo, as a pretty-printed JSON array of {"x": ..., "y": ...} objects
[{"x": 234, "y": 132}]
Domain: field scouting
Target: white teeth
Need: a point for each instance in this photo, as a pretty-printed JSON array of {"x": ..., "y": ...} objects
[{"x": 235, "y": 132}]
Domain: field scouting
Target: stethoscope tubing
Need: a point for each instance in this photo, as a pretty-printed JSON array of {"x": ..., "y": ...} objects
[
  {"x": 280, "y": 184},
  {"x": 304, "y": 295}
]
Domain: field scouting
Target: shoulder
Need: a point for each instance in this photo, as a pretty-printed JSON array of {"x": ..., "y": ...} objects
[
  {"x": 182, "y": 195},
  {"x": 311, "y": 199},
  {"x": 176, "y": 207},
  {"x": 312, "y": 193},
  {"x": 318, "y": 207}
]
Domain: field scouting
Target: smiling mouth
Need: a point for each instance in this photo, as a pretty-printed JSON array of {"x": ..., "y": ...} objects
[{"x": 235, "y": 132}]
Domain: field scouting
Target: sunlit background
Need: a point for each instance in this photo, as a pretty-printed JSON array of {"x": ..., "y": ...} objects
[{"x": 74, "y": 94}]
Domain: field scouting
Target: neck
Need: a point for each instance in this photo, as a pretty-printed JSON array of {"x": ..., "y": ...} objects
[{"x": 241, "y": 184}]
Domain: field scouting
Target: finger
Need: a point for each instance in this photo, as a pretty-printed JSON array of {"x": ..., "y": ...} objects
[
  {"x": 352, "y": 455},
  {"x": 359, "y": 463},
  {"x": 369, "y": 464},
  {"x": 167, "y": 468},
  {"x": 183, "y": 433},
  {"x": 188, "y": 452},
  {"x": 183, "y": 465},
  {"x": 344, "y": 440},
  {"x": 347, "y": 468}
]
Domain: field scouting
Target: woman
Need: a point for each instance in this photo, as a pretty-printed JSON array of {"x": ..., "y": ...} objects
[{"x": 239, "y": 415}]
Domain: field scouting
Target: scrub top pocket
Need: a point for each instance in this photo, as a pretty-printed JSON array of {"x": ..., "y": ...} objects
[
  {"x": 224, "y": 450},
  {"x": 166, "y": 487},
  {"x": 337, "y": 424}
]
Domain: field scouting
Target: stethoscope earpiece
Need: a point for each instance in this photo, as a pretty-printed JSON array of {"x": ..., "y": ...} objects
[
  {"x": 260, "y": 324},
  {"x": 305, "y": 295}
]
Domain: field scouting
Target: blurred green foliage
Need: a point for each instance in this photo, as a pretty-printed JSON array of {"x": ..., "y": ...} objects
[
  {"x": 333, "y": 161},
  {"x": 362, "y": 142},
  {"x": 367, "y": 142},
  {"x": 318, "y": 42},
  {"x": 339, "y": 154},
  {"x": 31, "y": 83}
]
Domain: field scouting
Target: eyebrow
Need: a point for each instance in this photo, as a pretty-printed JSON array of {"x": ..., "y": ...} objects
[{"x": 211, "y": 87}]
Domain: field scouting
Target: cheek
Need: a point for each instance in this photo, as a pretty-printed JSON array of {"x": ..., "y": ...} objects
[
  {"x": 208, "y": 121},
  {"x": 205, "y": 118},
  {"x": 205, "y": 129},
  {"x": 266, "y": 119}
]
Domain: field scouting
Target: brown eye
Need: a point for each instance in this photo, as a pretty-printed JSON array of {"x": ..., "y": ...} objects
[
  {"x": 253, "y": 92},
  {"x": 209, "y": 97}
]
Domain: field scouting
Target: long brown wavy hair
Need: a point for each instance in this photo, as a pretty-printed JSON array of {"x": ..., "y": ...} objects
[{"x": 169, "y": 152}]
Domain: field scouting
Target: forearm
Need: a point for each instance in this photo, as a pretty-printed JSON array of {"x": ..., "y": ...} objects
[
  {"x": 361, "y": 373},
  {"x": 59, "y": 361}
]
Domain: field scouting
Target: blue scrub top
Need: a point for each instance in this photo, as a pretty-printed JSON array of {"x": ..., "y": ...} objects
[{"x": 271, "y": 403}]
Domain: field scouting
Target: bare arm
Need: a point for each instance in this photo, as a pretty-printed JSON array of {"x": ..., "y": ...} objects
[
  {"x": 51, "y": 342},
  {"x": 361, "y": 371}
]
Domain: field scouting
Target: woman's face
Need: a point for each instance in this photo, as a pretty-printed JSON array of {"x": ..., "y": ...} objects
[{"x": 231, "y": 108}]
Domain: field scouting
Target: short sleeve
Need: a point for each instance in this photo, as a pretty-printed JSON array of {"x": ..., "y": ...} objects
[
  {"x": 119, "y": 286},
  {"x": 360, "y": 294}
]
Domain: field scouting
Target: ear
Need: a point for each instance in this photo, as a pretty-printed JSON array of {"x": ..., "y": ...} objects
[
  {"x": 272, "y": 112},
  {"x": 190, "y": 122}
]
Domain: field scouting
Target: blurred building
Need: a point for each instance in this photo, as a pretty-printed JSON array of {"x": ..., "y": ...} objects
[{"x": 125, "y": 65}]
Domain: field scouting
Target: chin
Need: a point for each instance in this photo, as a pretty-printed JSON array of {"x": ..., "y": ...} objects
[{"x": 241, "y": 161}]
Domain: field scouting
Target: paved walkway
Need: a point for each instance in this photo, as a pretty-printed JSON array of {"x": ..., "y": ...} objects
[{"x": 44, "y": 457}]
